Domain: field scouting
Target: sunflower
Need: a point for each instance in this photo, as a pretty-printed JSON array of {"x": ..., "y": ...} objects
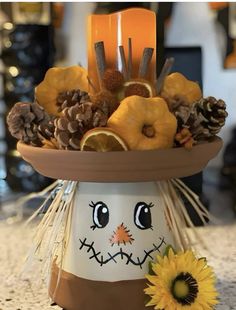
[
  {"x": 61, "y": 84},
  {"x": 181, "y": 281}
]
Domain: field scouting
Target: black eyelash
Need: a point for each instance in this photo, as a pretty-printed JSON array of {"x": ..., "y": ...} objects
[
  {"x": 151, "y": 205},
  {"x": 92, "y": 204},
  {"x": 93, "y": 227},
  {"x": 151, "y": 227}
]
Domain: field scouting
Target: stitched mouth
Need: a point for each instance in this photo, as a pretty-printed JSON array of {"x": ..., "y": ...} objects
[{"x": 123, "y": 255}]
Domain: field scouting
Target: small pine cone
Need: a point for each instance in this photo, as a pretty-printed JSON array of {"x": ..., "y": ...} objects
[
  {"x": 112, "y": 79},
  {"x": 70, "y": 98},
  {"x": 24, "y": 120},
  {"x": 71, "y": 126},
  {"x": 214, "y": 113}
]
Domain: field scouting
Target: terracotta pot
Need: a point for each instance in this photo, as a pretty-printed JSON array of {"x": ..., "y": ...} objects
[
  {"x": 130, "y": 166},
  {"x": 116, "y": 229},
  {"x": 118, "y": 224}
]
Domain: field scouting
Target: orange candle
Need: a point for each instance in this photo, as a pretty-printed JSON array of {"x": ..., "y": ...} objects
[{"x": 115, "y": 30}]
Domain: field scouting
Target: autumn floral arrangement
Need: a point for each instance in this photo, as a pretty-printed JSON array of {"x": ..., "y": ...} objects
[{"x": 125, "y": 113}]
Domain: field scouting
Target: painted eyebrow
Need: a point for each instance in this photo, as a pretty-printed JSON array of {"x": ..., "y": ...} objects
[
  {"x": 150, "y": 204},
  {"x": 92, "y": 204}
]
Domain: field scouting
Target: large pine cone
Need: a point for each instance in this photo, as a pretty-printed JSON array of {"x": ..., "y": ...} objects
[
  {"x": 204, "y": 118},
  {"x": 25, "y": 120},
  {"x": 75, "y": 121},
  {"x": 214, "y": 113},
  {"x": 70, "y": 98}
]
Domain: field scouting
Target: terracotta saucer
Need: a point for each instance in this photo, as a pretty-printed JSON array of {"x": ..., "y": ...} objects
[{"x": 130, "y": 166}]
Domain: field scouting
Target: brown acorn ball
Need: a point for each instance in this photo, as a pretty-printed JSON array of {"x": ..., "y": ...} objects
[
  {"x": 104, "y": 98},
  {"x": 112, "y": 79}
]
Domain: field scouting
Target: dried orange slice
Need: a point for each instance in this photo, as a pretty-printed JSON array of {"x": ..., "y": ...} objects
[
  {"x": 139, "y": 87},
  {"x": 102, "y": 139}
]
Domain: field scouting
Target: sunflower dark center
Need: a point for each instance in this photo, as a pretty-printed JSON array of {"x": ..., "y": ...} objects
[
  {"x": 184, "y": 289},
  {"x": 148, "y": 131}
]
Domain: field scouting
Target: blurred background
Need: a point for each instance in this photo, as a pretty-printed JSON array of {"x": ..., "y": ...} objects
[{"x": 36, "y": 36}]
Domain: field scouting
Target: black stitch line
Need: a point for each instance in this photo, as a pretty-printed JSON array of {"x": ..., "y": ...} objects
[
  {"x": 82, "y": 243},
  {"x": 156, "y": 247},
  {"x": 148, "y": 254},
  {"x": 101, "y": 260},
  {"x": 112, "y": 257},
  {"x": 95, "y": 255},
  {"x": 129, "y": 260},
  {"x": 121, "y": 253},
  {"x": 140, "y": 265},
  {"x": 90, "y": 247},
  {"x": 162, "y": 240}
]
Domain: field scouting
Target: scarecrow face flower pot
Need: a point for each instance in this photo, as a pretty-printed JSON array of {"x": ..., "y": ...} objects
[
  {"x": 117, "y": 204},
  {"x": 116, "y": 230},
  {"x": 113, "y": 229}
]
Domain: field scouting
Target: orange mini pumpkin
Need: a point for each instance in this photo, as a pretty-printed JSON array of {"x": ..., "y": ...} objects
[
  {"x": 144, "y": 123},
  {"x": 176, "y": 84},
  {"x": 59, "y": 80}
]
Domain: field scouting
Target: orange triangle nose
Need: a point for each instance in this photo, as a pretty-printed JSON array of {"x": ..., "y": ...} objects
[{"x": 121, "y": 236}]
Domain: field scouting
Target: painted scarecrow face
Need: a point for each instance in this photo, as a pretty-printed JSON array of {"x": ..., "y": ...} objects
[{"x": 116, "y": 230}]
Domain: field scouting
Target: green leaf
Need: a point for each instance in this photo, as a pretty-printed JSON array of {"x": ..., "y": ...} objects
[
  {"x": 166, "y": 252},
  {"x": 150, "y": 270}
]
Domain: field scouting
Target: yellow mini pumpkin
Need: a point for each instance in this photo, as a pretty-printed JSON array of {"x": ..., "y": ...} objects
[
  {"x": 57, "y": 81},
  {"x": 176, "y": 84},
  {"x": 144, "y": 123}
]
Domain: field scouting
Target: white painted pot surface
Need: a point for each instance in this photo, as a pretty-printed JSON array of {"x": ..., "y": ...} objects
[{"x": 116, "y": 230}]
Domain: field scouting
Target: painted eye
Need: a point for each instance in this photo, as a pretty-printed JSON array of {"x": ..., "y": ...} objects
[
  {"x": 142, "y": 215},
  {"x": 100, "y": 214}
]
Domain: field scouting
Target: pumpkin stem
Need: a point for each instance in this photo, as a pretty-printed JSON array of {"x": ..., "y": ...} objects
[{"x": 148, "y": 131}]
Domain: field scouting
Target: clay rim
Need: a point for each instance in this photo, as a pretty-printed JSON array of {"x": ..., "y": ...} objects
[{"x": 123, "y": 166}]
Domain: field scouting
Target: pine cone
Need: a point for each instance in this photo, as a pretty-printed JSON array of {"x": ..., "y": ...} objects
[
  {"x": 70, "y": 98},
  {"x": 70, "y": 128},
  {"x": 204, "y": 118},
  {"x": 75, "y": 121},
  {"x": 46, "y": 129},
  {"x": 214, "y": 112},
  {"x": 24, "y": 121}
]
